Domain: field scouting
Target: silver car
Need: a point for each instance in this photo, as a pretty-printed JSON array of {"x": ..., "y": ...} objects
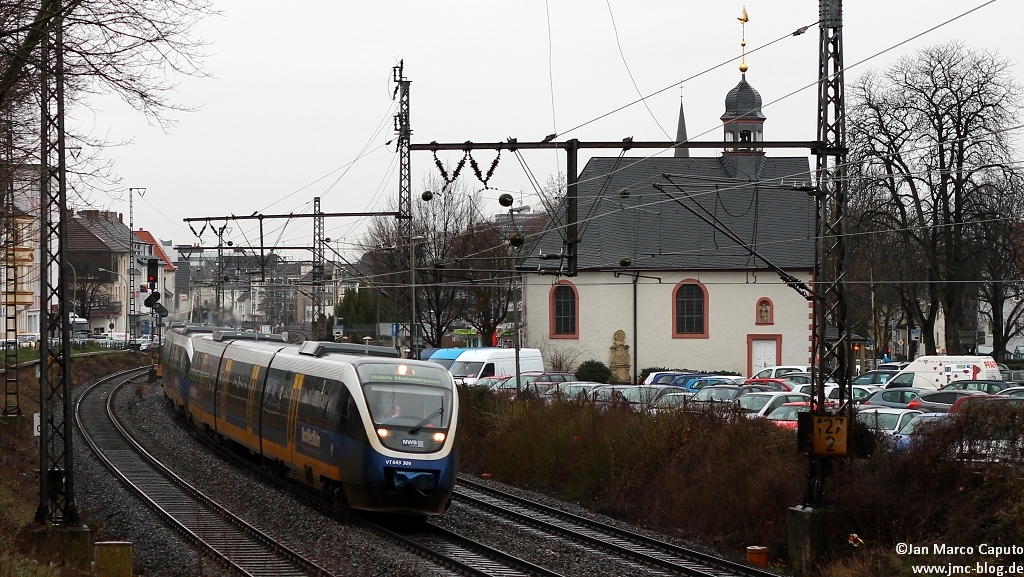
[{"x": 886, "y": 420}]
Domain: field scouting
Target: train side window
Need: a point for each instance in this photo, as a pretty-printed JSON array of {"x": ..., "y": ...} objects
[{"x": 345, "y": 402}]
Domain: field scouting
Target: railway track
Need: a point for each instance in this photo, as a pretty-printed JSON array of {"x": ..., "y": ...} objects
[
  {"x": 447, "y": 550},
  {"x": 236, "y": 546},
  {"x": 246, "y": 551},
  {"x": 639, "y": 548}
]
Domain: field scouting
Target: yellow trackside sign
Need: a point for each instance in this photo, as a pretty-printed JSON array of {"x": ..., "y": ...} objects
[{"x": 829, "y": 435}]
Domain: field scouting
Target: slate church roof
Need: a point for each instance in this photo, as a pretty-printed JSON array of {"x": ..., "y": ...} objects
[{"x": 751, "y": 194}]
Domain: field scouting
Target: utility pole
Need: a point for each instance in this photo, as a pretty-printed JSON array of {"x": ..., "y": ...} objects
[
  {"x": 218, "y": 285},
  {"x": 12, "y": 239},
  {"x": 403, "y": 129},
  {"x": 832, "y": 360},
  {"x": 318, "y": 328},
  {"x": 57, "y": 503}
]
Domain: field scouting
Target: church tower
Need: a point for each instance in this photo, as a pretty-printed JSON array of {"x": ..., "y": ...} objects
[{"x": 743, "y": 121}]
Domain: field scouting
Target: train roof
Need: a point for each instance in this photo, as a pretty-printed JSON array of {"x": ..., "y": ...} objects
[{"x": 320, "y": 348}]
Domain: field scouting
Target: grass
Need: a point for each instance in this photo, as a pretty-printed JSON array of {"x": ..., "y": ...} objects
[
  {"x": 19, "y": 485},
  {"x": 729, "y": 481}
]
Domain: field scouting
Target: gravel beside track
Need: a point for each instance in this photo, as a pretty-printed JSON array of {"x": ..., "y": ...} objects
[{"x": 343, "y": 549}]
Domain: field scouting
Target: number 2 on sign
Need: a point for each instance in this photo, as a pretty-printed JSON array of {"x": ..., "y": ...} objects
[{"x": 829, "y": 435}]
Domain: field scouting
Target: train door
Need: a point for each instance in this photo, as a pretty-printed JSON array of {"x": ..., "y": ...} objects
[
  {"x": 194, "y": 400},
  {"x": 223, "y": 384},
  {"x": 252, "y": 411},
  {"x": 293, "y": 409}
]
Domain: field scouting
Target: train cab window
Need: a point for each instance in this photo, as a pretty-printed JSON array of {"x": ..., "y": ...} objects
[
  {"x": 407, "y": 395},
  {"x": 488, "y": 370}
]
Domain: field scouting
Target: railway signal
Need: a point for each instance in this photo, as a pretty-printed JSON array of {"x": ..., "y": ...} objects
[{"x": 152, "y": 270}]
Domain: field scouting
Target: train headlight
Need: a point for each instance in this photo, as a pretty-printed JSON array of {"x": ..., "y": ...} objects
[
  {"x": 383, "y": 433},
  {"x": 403, "y": 369},
  {"x": 439, "y": 437}
]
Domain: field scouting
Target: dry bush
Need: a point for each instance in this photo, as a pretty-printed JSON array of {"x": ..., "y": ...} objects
[
  {"x": 726, "y": 479},
  {"x": 730, "y": 481}
]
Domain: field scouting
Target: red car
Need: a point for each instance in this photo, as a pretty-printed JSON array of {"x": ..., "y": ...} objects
[
  {"x": 776, "y": 383},
  {"x": 785, "y": 416}
]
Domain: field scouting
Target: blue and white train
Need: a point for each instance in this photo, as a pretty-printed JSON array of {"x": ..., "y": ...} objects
[{"x": 374, "y": 433}]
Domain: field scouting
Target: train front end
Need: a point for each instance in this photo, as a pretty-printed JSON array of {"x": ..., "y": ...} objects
[{"x": 411, "y": 460}]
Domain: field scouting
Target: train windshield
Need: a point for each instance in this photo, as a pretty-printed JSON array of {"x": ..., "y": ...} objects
[{"x": 402, "y": 395}]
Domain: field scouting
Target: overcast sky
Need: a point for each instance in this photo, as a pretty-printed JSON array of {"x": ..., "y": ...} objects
[{"x": 299, "y": 104}]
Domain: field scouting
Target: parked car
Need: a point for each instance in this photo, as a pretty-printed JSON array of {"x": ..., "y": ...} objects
[
  {"x": 886, "y": 420},
  {"x": 1012, "y": 392},
  {"x": 806, "y": 389},
  {"x": 905, "y": 436},
  {"x": 510, "y": 385},
  {"x": 670, "y": 402},
  {"x": 958, "y": 406},
  {"x": 28, "y": 339},
  {"x": 779, "y": 371},
  {"x": 526, "y": 381},
  {"x": 774, "y": 383},
  {"x": 723, "y": 394},
  {"x": 799, "y": 378},
  {"x": 897, "y": 398},
  {"x": 702, "y": 382},
  {"x": 875, "y": 377},
  {"x": 860, "y": 393},
  {"x": 636, "y": 397},
  {"x": 990, "y": 387},
  {"x": 762, "y": 404},
  {"x": 572, "y": 391},
  {"x": 490, "y": 382},
  {"x": 555, "y": 378},
  {"x": 655, "y": 392},
  {"x": 786, "y": 415},
  {"x": 938, "y": 401},
  {"x": 661, "y": 377},
  {"x": 756, "y": 388},
  {"x": 893, "y": 366},
  {"x": 1012, "y": 375},
  {"x": 937, "y": 371},
  {"x": 684, "y": 381}
]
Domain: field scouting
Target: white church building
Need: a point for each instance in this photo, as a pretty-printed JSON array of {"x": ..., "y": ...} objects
[{"x": 685, "y": 294}]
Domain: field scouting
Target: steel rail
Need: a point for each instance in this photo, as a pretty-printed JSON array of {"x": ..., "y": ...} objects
[
  {"x": 445, "y": 548},
  {"x": 632, "y": 545},
  {"x": 236, "y": 545}
]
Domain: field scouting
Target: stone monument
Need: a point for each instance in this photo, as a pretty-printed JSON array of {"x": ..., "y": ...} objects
[{"x": 620, "y": 357}]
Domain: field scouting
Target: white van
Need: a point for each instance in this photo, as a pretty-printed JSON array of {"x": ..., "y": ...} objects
[
  {"x": 490, "y": 361},
  {"x": 937, "y": 371}
]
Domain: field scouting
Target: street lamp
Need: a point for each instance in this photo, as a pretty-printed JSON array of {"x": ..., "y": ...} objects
[{"x": 128, "y": 295}]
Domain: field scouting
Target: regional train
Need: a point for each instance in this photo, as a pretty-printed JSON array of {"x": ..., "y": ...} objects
[{"x": 375, "y": 433}]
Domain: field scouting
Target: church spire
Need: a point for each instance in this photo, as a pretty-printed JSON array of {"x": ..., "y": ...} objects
[
  {"x": 743, "y": 41},
  {"x": 681, "y": 130}
]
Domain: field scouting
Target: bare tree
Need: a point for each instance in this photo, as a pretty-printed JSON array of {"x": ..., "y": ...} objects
[
  {"x": 116, "y": 46},
  {"x": 999, "y": 237},
  {"x": 927, "y": 134},
  {"x": 439, "y": 231}
]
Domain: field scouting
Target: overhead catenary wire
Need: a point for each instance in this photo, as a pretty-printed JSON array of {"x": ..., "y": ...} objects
[{"x": 785, "y": 96}]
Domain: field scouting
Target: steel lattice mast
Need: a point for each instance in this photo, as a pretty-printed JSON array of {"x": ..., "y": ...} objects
[
  {"x": 56, "y": 464},
  {"x": 319, "y": 330},
  {"x": 12, "y": 239},
  {"x": 133, "y": 307},
  {"x": 832, "y": 360},
  {"x": 403, "y": 129}
]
